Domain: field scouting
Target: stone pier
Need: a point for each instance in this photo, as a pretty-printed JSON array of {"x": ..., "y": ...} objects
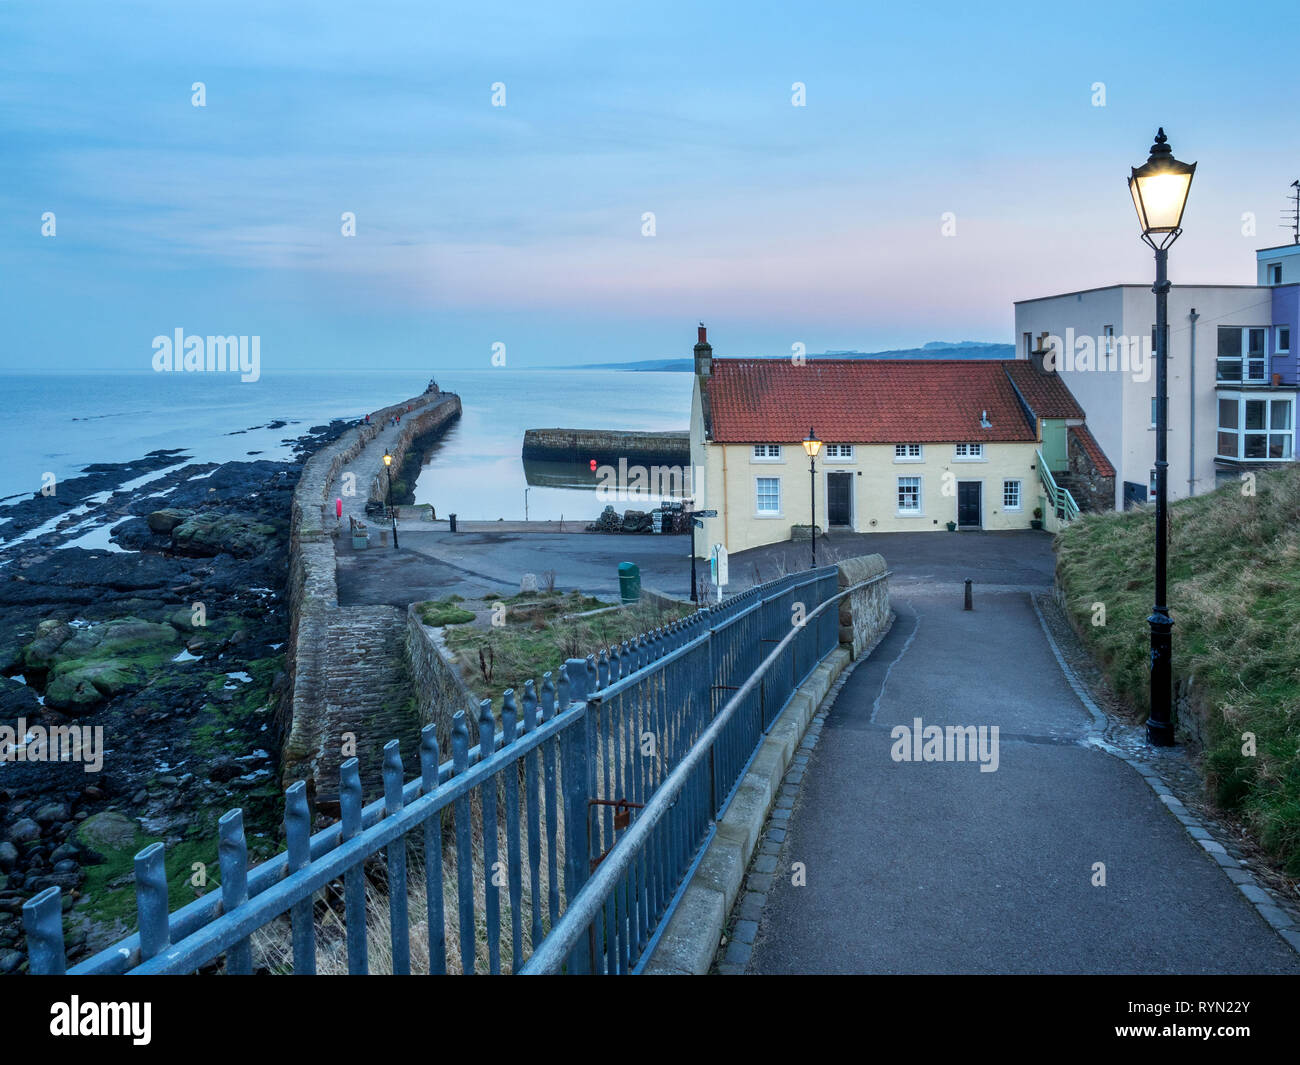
[{"x": 350, "y": 682}]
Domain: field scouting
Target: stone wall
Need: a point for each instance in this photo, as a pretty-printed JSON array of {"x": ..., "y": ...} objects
[
  {"x": 346, "y": 667},
  {"x": 607, "y": 446},
  {"x": 439, "y": 691},
  {"x": 865, "y": 614},
  {"x": 1092, "y": 491}
]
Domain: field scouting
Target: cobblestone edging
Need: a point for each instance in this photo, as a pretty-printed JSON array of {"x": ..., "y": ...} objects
[
  {"x": 347, "y": 667},
  {"x": 1270, "y": 908}
]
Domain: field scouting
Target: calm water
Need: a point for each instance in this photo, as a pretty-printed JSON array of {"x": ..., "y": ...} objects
[
  {"x": 60, "y": 423},
  {"x": 478, "y": 473}
]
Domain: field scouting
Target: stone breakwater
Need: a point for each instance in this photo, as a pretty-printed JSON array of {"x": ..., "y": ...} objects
[
  {"x": 350, "y": 682},
  {"x": 608, "y": 446}
]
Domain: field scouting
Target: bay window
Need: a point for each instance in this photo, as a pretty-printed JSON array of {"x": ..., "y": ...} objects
[{"x": 1256, "y": 428}]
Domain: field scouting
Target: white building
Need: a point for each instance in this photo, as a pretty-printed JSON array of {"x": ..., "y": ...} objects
[{"x": 1232, "y": 373}]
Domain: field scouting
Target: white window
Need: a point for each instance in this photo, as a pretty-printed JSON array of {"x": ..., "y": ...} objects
[
  {"x": 1283, "y": 343},
  {"x": 968, "y": 451},
  {"x": 1010, "y": 495},
  {"x": 767, "y": 452},
  {"x": 767, "y": 495},
  {"x": 1153, "y": 414},
  {"x": 1241, "y": 353},
  {"x": 909, "y": 495},
  {"x": 907, "y": 452},
  {"x": 839, "y": 452},
  {"x": 1256, "y": 429}
]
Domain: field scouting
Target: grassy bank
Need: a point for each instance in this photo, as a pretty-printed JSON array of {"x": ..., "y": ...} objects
[
  {"x": 1234, "y": 594},
  {"x": 540, "y": 632}
]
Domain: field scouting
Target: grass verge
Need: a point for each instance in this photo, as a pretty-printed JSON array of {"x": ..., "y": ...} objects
[{"x": 1234, "y": 594}]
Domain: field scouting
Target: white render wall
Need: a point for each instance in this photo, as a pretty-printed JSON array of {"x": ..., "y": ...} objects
[
  {"x": 1118, "y": 404},
  {"x": 1289, "y": 259}
]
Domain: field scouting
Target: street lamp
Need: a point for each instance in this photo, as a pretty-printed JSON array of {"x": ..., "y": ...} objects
[
  {"x": 812, "y": 446},
  {"x": 388, "y": 470},
  {"x": 1159, "y": 188}
]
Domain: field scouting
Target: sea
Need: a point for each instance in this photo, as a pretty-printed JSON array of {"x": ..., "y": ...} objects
[{"x": 59, "y": 423}]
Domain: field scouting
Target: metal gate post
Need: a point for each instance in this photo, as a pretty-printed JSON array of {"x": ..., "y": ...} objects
[{"x": 577, "y": 768}]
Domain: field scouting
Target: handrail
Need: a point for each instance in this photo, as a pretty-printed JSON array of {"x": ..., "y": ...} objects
[
  {"x": 1063, "y": 503},
  {"x": 588, "y": 904}
]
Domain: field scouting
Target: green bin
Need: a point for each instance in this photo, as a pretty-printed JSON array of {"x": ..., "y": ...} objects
[{"x": 629, "y": 582}]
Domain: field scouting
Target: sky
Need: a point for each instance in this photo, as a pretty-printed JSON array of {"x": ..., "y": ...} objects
[{"x": 523, "y": 225}]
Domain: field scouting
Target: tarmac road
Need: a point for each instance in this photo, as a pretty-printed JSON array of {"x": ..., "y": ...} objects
[{"x": 937, "y": 867}]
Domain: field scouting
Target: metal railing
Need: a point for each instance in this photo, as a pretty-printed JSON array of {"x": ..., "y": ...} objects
[
  {"x": 1060, "y": 499},
  {"x": 607, "y": 911},
  {"x": 644, "y": 743}
]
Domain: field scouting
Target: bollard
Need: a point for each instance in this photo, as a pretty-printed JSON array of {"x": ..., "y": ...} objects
[
  {"x": 969, "y": 605},
  {"x": 451, "y": 518}
]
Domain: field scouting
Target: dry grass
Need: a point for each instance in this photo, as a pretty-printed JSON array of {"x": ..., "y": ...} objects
[
  {"x": 537, "y": 638},
  {"x": 272, "y": 945}
]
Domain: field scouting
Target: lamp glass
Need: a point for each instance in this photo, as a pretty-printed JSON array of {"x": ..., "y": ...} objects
[
  {"x": 388, "y": 459},
  {"x": 812, "y": 445},
  {"x": 1160, "y": 198}
]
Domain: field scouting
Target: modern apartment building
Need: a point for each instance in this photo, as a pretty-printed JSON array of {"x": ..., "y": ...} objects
[{"x": 1232, "y": 373}]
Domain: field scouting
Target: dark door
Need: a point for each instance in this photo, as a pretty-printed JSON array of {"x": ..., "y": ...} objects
[
  {"x": 839, "y": 499},
  {"x": 968, "y": 504},
  {"x": 1134, "y": 493}
]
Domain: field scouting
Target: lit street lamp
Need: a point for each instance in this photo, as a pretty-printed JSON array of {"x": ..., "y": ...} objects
[
  {"x": 388, "y": 471},
  {"x": 812, "y": 446},
  {"x": 1159, "y": 188}
]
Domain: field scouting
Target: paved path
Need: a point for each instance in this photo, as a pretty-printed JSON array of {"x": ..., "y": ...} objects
[
  {"x": 939, "y": 868},
  {"x": 362, "y": 469},
  {"x": 434, "y": 563}
]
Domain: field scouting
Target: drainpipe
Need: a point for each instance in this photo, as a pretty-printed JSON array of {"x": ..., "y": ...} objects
[{"x": 1191, "y": 412}]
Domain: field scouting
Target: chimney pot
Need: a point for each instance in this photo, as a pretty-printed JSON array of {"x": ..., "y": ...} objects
[{"x": 703, "y": 354}]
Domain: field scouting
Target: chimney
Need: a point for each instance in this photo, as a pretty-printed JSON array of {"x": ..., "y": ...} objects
[
  {"x": 1040, "y": 351},
  {"x": 703, "y": 354}
]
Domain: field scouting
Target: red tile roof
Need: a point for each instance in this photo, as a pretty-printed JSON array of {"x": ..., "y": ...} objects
[
  {"x": 1093, "y": 449},
  {"x": 1047, "y": 395},
  {"x": 865, "y": 401}
]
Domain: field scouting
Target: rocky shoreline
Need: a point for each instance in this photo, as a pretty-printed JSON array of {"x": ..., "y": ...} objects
[{"x": 166, "y": 629}]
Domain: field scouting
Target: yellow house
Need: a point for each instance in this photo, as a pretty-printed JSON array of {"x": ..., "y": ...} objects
[{"x": 908, "y": 445}]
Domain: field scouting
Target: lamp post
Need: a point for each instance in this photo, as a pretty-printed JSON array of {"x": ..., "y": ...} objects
[
  {"x": 388, "y": 471},
  {"x": 695, "y": 591},
  {"x": 812, "y": 446},
  {"x": 1159, "y": 188}
]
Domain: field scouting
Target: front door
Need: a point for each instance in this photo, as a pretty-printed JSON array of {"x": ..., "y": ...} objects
[
  {"x": 839, "y": 499},
  {"x": 968, "y": 504}
]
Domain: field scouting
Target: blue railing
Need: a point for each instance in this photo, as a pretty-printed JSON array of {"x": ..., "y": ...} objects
[
  {"x": 1061, "y": 501},
  {"x": 564, "y": 778}
]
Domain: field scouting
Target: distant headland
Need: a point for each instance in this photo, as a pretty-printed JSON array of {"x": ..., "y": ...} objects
[{"x": 936, "y": 349}]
